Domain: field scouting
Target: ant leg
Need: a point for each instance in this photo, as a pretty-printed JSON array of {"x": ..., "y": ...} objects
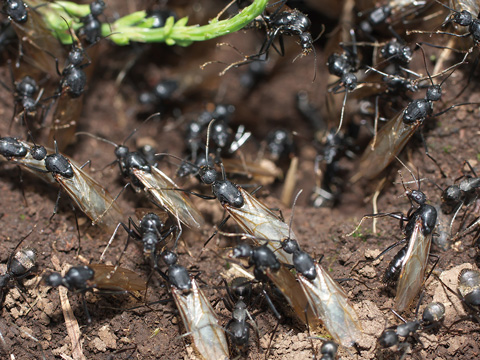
[
  {"x": 85, "y": 308},
  {"x": 88, "y": 162},
  {"x": 219, "y": 227},
  {"x": 55, "y": 209}
]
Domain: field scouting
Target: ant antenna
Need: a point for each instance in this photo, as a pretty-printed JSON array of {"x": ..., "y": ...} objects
[
  {"x": 293, "y": 210},
  {"x": 208, "y": 139},
  {"x": 425, "y": 63},
  {"x": 136, "y": 129}
]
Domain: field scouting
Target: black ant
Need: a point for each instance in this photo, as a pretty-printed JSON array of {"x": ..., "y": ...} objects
[
  {"x": 20, "y": 264},
  {"x": 433, "y": 316},
  {"x": 105, "y": 278},
  {"x": 344, "y": 67},
  {"x": 394, "y": 135},
  {"x": 24, "y": 97},
  {"x": 328, "y": 350},
  {"x": 238, "y": 327},
  {"x": 150, "y": 232},
  {"x": 197, "y": 313},
  {"x": 92, "y": 27},
  {"x": 16, "y": 10}
]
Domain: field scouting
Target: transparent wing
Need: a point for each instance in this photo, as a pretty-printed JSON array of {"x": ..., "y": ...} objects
[
  {"x": 390, "y": 140},
  {"x": 107, "y": 278},
  {"x": 92, "y": 198},
  {"x": 330, "y": 304},
  {"x": 201, "y": 323},
  {"x": 257, "y": 219},
  {"x": 414, "y": 266},
  {"x": 175, "y": 202},
  {"x": 285, "y": 281}
]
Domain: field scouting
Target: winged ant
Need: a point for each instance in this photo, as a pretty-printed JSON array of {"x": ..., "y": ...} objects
[
  {"x": 88, "y": 194},
  {"x": 408, "y": 268},
  {"x": 21, "y": 263},
  {"x": 106, "y": 279},
  {"x": 250, "y": 214},
  {"x": 394, "y": 135},
  {"x": 326, "y": 299},
  {"x": 197, "y": 313}
]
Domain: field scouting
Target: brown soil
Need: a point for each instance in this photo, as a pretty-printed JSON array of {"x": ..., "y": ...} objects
[{"x": 153, "y": 332}]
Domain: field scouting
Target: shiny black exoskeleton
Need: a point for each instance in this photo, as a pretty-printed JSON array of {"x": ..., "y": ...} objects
[
  {"x": 280, "y": 143},
  {"x": 129, "y": 160},
  {"x": 237, "y": 327},
  {"x": 469, "y": 287},
  {"x": 394, "y": 267},
  {"x": 261, "y": 257},
  {"x": 291, "y": 23},
  {"x": 397, "y": 53},
  {"x": 76, "y": 278},
  {"x": 455, "y": 195},
  {"x": 343, "y": 66},
  {"x": 419, "y": 109},
  {"x": 433, "y": 315},
  {"x": 302, "y": 261},
  {"x": 16, "y": 10},
  {"x": 74, "y": 78},
  {"x": 374, "y": 19},
  {"x": 150, "y": 232},
  {"x": 92, "y": 27},
  {"x": 177, "y": 275},
  {"x": 328, "y": 350},
  {"x": 11, "y": 148},
  {"x": 20, "y": 264},
  {"x": 225, "y": 191},
  {"x": 465, "y": 18},
  {"x": 58, "y": 164},
  {"x": 25, "y": 90}
]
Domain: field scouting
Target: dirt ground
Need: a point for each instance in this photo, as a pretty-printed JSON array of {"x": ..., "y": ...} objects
[{"x": 32, "y": 323}]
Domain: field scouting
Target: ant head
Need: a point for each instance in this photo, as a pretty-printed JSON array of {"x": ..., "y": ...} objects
[
  {"x": 290, "y": 245},
  {"x": 17, "y": 10},
  {"x": 76, "y": 56},
  {"x": 329, "y": 348},
  {"x": 97, "y": 7},
  {"x": 417, "y": 196},
  {"x": 306, "y": 42},
  {"x": 27, "y": 87},
  {"x": 53, "y": 279},
  {"x": 242, "y": 250},
  {"x": 38, "y": 152},
  {"x": 433, "y": 313},
  {"x": 463, "y": 18},
  {"x": 388, "y": 338},
  {"x": 452, "y": 194},
  {"x": 241, "y": 287},
  {"x": 169, "y": 257},
  {"x": 151, "y": 222},
  {"x": 434, "y": 93},
  {"x": 338, "y": 64},
  {"x": 208, "y": 175},
  {"x": 121, "y": 152},
  {"x": 350, "y": 81}
]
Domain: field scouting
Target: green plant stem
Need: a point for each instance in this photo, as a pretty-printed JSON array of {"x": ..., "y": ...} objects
[{"x": 138, "y": 27}]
